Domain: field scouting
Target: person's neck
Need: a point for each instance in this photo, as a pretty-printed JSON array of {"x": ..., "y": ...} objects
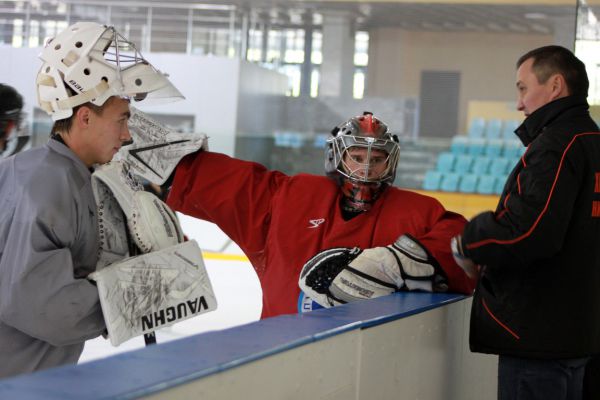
[{"x": 68, "y": 140}]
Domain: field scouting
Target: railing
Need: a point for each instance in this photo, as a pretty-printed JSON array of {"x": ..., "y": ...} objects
[{"x": 407, "y": 345}]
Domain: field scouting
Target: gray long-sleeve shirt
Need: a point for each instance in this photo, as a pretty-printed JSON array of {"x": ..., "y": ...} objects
[{"x": 48, "y": 245}]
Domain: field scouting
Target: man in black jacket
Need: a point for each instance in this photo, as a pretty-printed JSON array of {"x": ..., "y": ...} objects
[{"x": 537, "y": 302}]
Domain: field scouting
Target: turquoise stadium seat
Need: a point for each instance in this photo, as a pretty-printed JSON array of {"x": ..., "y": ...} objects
[
  {"x": 494, "y": 148},
  {"x": 280, "y": 139},
  {"x": 320, "y": 140},
  {"x": 432, "y": 180},
  {"x": 450, "y": 182},
  {"x": 463, "y": 164},
  {"x": 493, "y": 129},
  {"x": 499, "y": 167},
  {"x": 481, "y": 165},
  {"x": 445, "y": 162},
  {"x": 513, "y": 149},
  {"x": 499, "y": 186},
  {"x": 486, "y": 184},
  {"x": 289, "y": 139},
  {"x": 476, "y": 128},
  {"x": 476, "y": 146},
  {"x": 508, "y": 129},
  {"x": 297, "y": 140},
  {"x": 468, "y": 183},
  {"x": 458, "y": 145}
]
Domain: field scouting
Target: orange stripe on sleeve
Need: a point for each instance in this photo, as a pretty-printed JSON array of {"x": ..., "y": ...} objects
[
  {"x": 535, "y": 224},
  {"x": 595, "y": 208}
]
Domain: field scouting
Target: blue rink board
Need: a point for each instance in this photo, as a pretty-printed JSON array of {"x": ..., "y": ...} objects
[{"x": 153, "y": 369}]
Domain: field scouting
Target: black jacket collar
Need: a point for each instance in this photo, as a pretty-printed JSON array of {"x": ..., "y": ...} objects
[{"x": 545, "y": 115}]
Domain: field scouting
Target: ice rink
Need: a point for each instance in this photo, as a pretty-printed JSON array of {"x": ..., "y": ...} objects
[{"x": 234, "y": 282}]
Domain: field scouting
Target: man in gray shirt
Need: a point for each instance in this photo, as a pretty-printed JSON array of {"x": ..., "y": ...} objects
[{"x": 49, "y": 233}]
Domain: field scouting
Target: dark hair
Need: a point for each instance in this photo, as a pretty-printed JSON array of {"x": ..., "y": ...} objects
[
  {"x": 64, "y": 125},
  {"x": 11, "y": 104},
  {"x": 550, "y": 60}
]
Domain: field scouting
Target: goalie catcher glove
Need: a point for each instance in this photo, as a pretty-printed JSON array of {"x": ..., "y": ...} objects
[
  {"x": 151, "y": 223},
  {"x": 156, "y": 150},
  {"x": 141, "y": 294},
  {"x": 375, "y": 272},
  {"x": 318, "y": 273}
]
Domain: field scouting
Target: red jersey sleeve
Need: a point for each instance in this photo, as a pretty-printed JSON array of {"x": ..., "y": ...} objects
[
  {"x": 443, "y": 225},
  {"x": 234, "y": 194}
]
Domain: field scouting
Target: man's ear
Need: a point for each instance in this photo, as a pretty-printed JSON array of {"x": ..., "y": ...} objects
[
  {"x": 82, "y": 117},
  {"x": 558, "y": 86}
]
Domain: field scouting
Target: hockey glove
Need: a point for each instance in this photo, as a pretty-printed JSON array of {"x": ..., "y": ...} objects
[
  {"x": 151, "y": 223},
  {"x": 375, "y": 272},
  {"x": 156, "y": 150},
  {"x": 141, "y": 294}
]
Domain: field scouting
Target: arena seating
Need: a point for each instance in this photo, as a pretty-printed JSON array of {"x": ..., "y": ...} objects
[{"x": 479, "y": 161}]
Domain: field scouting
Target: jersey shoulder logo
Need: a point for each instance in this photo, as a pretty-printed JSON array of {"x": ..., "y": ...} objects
[{"x": 314, "y": 223}]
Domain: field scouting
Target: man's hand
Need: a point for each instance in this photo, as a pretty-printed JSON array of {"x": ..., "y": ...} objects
[{"x": 470, "y": 268}]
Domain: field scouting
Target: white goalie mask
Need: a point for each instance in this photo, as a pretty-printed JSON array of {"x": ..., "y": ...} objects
[
  {"x": 380, "y": 154},
  {"x": 95, "y": 62}
]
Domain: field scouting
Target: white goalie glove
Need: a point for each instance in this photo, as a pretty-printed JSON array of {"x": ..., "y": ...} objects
[
  {"x": 145, "y": 292},
  {"x": 341, "y": 275},
  {"x": 156, "y": 150},
  {"x": 123, "y": 204},
  {"x": 141, "y": 294}
]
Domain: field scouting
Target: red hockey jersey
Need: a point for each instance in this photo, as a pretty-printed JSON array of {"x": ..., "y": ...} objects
[{"x": 281, "y": 221}]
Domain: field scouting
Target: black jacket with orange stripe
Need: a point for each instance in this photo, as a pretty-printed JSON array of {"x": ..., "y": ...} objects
[{"x": 539, "y": 291}]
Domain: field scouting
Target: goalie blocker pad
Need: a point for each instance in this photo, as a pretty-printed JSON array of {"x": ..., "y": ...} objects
[
  {"x": 156, "y": 150},
  {"x": 153, "y": 291}
]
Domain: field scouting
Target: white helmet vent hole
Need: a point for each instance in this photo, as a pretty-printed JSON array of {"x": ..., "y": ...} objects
[
  {"x": 138, "y": 82},
  {"x": 86, "y": 71},
  {"x": 78, "y": 44},
  {"x": 57, "y": 47}
]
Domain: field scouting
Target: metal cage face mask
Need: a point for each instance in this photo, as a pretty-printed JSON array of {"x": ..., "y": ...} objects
[
  {"x": 366, "y": 159},
  {"x": 95, "y": 62},
  {"x": 378, "y": 159}
]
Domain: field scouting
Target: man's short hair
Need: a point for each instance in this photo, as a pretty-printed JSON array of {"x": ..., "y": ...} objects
[
  {"x": 64, "y": 125},
  {"x": 11, "y": 105},
  {"x": 551, "y": 60}
]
